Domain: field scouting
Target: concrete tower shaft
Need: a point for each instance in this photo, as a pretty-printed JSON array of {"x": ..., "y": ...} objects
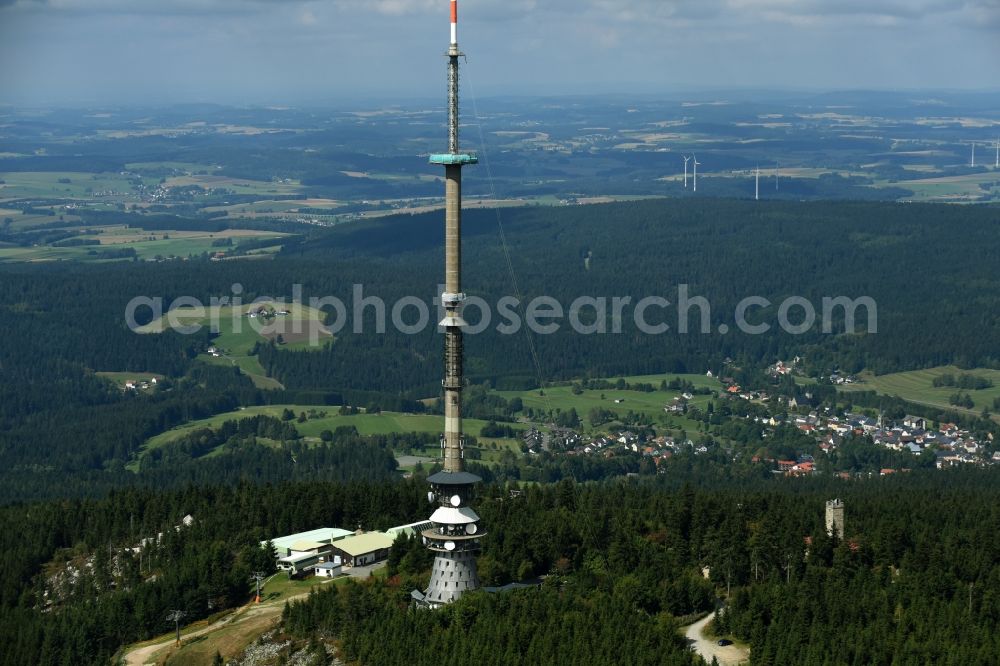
[
  {"x": 453, "y": 231},
  {"x": 452, "y": 298}
]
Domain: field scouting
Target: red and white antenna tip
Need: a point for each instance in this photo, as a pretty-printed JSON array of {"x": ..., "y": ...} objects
[{"x": 454, "y": 22}]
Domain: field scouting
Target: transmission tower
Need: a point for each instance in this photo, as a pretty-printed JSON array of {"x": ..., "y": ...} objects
[
  {"x": 257, "y": 577},
  {"x": 454, "y": 537}
]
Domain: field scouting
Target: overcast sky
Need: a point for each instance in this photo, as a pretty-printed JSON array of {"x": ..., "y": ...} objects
[{"x": 293, "y": 52}]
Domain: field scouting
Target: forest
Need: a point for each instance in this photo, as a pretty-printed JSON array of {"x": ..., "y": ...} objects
[
  {"x": 915, "y": 579},
  {"x": 913, "y": 582},
  {"x": 79, "y": 489}
]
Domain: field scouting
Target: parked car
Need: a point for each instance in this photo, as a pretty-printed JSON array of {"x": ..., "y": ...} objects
[{"x": 724, "y": 642}]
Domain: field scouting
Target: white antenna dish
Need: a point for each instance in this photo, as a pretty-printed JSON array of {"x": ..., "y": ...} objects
[
  {"x": 449, "y": 545},
  {"x": 455, "y": 500},
  {"x": 471, "y": 528},
  {"x": 430, "y": 496}
]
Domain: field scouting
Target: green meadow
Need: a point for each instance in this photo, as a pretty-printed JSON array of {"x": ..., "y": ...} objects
[
  {"x": 237, "y": 333},
  {"x": 648, "y": 403},
  {"x": 366, "y": 424},
  {"x": 121, "y": 378},
  {"x": 917, "y": 386}
]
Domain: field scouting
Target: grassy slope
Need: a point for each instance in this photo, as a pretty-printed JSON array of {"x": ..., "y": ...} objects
[
  {"x": 917, "y": 386},
  {"x": 651, "y": 404},
  {"x": 243, "y": 626},
  {"x": 237, "y": 334},
  {"x": 366, "y": 424},
  {"x": 390, "y": 422}
]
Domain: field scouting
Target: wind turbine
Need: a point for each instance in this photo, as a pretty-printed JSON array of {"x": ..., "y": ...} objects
[
  {"x": 756, "y": 184},
  {"x": 685, "y": 171},
  {"x": 973, "y": 154},
  {"x": 775, "y": 176},
  {"x": 696, "y": 163},
  {"x": 997, "y": 165}
]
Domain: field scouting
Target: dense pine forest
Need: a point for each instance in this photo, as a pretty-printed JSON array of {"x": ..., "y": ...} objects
[{"x": 914, "y": 580}]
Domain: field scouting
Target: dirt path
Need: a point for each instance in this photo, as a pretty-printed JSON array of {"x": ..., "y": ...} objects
[
  {"x": 729, "y": 655},
  {"x": 147, "y": 653},
  {"x": 251, "y": 613}
]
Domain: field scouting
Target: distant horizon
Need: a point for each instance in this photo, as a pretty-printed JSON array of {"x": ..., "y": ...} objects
[
  {"x": 236, "y": 52},
  {"x": 689, "y": 94}
]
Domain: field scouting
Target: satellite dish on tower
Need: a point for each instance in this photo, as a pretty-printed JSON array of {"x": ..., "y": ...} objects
[
  {"x": 449, "y": 545},
  {"x": 455, "y": 500},
  {"x": 471, "y": 528}
]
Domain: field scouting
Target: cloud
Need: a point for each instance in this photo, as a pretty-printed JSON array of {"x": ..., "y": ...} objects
[
  {"x": 606, "y": 11},
  {"x": 174, "y": 47}
]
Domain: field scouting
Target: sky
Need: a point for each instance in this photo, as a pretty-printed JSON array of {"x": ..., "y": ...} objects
[{"x": 97, "y": 52}]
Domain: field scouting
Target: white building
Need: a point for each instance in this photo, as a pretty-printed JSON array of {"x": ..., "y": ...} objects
[
  {"x": 324, "y": 535},
  {"x": 330, "y": 569}
]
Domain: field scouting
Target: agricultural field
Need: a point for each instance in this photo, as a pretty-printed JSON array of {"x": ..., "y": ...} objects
[
  {"x": 150, "y": 245},
  {"x": 957, "y": 188},
  {"x": 19, "y": 220},
  {"x": 68, "y": 185},
  {"x": 33, "y": 254},
  {"x": 147, "y": 245},
  {"x": 416, "y": 207},
  {"x": 275, "y": 208},
  {"x": 167, "y": 165},
  {"x": 917, "y": 386},
  {"x": 260, "y": 188}
]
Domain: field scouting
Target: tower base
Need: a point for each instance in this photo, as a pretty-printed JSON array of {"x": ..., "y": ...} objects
[{"x": 453, "y": 575}]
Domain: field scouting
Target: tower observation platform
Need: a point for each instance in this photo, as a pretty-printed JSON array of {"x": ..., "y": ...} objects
[{"x": 448, "y": 159}]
